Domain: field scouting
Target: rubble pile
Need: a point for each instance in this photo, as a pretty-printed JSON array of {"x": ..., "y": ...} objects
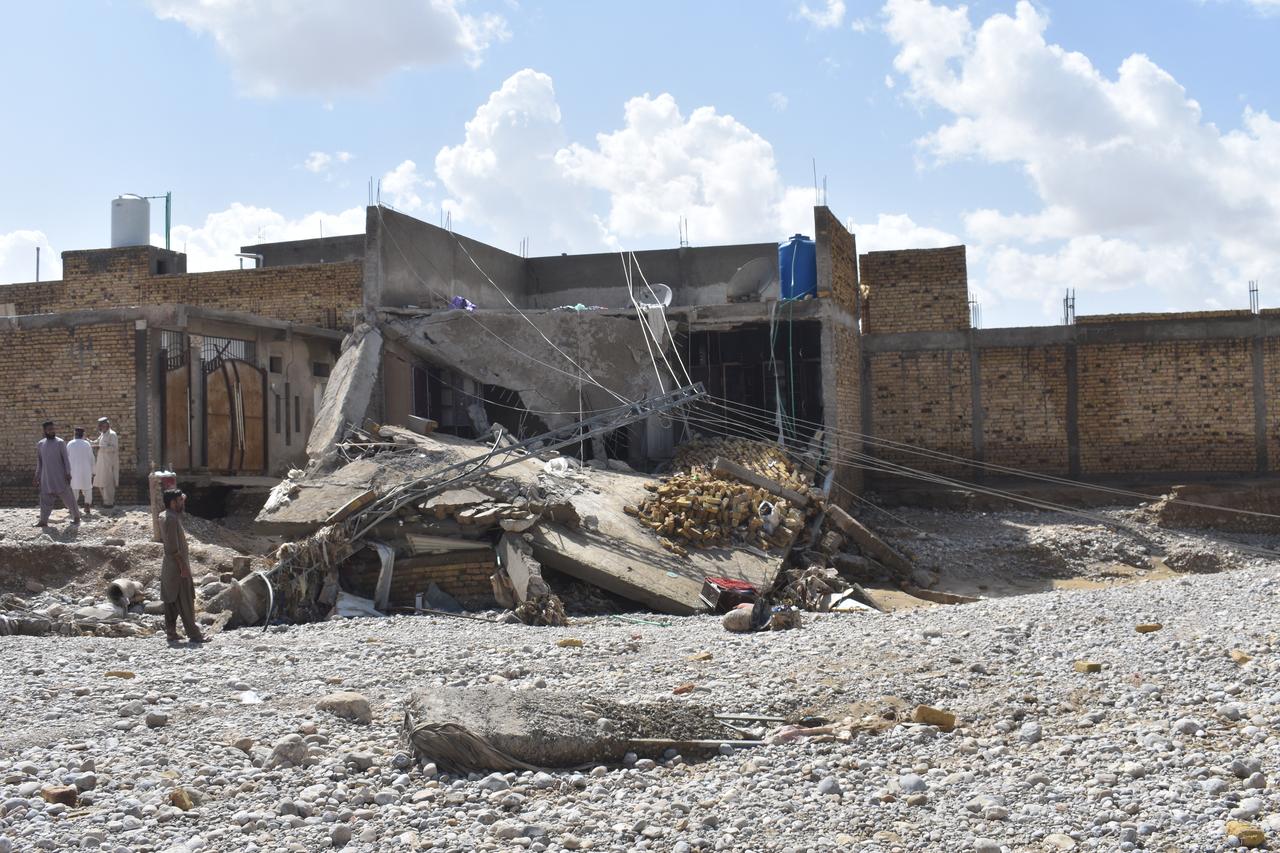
[{"x": 699, "y": 507}]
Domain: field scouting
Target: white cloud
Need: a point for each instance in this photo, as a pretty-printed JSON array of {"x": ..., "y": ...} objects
[
  {"x": 778, "y": 101},
  {"x": 862, "y": 25},
  {"x": 321, "y": 161},
  {"x": 892, "y": 231},
  {"x": 827, "y": 16},
  {"x": 661, "y": 165},
  {"x": 1134, "y": 185},
  {"x": 213, "y": 245},
  {"x": 504, "y": 175},
  {"x": 326, "y": 46},
  {"x": 1265, "y": 6},
  {"x": 401, "y": 186},
  {"x": 18, "y": 257}
]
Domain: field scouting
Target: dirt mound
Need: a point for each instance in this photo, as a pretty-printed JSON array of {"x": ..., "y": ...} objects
[{"x": 75, "y": 569}]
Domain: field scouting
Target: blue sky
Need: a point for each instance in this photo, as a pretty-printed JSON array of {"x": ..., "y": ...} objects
[{"x": 1123, "y": 148}]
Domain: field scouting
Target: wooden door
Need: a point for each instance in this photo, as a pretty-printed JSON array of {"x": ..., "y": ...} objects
[
  {"x": 175, "y": 410},
  {"x": 235, "y": 417}
]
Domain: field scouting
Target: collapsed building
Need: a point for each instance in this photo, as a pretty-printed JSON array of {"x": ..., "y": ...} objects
[{"x": 346, "y": 373}]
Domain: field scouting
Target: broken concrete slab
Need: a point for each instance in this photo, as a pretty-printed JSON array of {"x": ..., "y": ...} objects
[
  {"x": 871, "y": 544},
  {"x": 515, "y": 556},
  {"x": 347, "y": 394},
  {"x": 476, "y": 729},
  {"x": 617, "y": 554}
]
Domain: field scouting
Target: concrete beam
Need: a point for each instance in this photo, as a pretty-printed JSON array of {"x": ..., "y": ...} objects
[{"x": 346, "y": 397}]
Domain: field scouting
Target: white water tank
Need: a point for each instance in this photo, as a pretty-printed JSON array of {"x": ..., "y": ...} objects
[{"x": 130, "y": 221}]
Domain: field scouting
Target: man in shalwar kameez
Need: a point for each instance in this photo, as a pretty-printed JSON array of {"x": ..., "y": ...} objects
[
  {"x": 106, "y": 471},
  {"x": 80, "y": 452},
  {"x": 53, "y": 476}
]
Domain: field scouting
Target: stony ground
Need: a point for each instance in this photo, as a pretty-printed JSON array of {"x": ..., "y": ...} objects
[{"x": 1171, "y": 739}]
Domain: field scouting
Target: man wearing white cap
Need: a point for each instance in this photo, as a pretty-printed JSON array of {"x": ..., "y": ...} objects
[{"x": 106, "y": 470}]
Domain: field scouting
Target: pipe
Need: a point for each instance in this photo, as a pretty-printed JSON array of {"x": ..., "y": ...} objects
[{"x": 257, "y": 258}]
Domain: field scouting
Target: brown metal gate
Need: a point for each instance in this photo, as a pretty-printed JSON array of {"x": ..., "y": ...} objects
[
  {"x": 175, "y": 407},
  {"x": 235, "y": 417}
]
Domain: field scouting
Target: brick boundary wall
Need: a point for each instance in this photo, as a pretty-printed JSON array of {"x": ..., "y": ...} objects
[
  {"x": 72, "y": 375},
  {"x": 837, "y": 256}
]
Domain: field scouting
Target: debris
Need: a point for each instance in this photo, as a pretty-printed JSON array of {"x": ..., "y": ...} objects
[
  {"x": 871, "y": 544},
  {"x": 935, "y": 596},
  {"x": 1148, "y": 627},
  {"x": 930, "y": 716},
  {"x": 1240, "y": 656},
  {"x": 701, "y": 656},
  {"x": 542, "y": 609},
  {"x": 738, "y": 619},
  {"x": 682, "y": 689},
  {"x": 495, "y": 729},
  {"x": 728, "y": 468},
  {"x": 181, "y": 798},
  {"x": 1087, "y": 666},
  {"x": 724, "y": 594},
  {"x": 123, "y": 593},
  {"x": 119, "y": 673},
  {"x": 569, "y": 643}
]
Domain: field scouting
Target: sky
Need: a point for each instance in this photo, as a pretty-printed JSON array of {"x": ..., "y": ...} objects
[{"x": 1126, "y": 150}]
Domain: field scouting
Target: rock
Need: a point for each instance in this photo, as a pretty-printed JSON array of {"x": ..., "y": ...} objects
[
  {"x": 1248, "y": 834},
  {"x": 1241, "y": 657},
  {"x": 156, "y": 719},
  {"x": 359, "y": 761},
  {"x": 1187, "y": 725},
  {"x": 930, "y": 716},
  {"x": 1256, "y": 781},
  {"x": 244, "y": 744},
  {"x": 347, "y": 705},
  {"x": 340, "y": 835},
  {"x": 1030, "y": 732},
  {"x": 1087, "y": 666},
  {"x": 65, "y": 795},
  {"x": 136, "y": 708},
  {"x": 829, "y": 786},
  {"x": 85, "y": 781},
  {"x": 114, "y": 541},
  {"x": 911, "y": 783},
  {"x": 181, "y": 798},
  {"x": 986, "y": 845},
  {"x": 1059, "y": 841},
  {"x": 34, "y": 586},
  {"x": 1147, "y": 628},
  {"x": 569, "y": 643},
  {"x": 289, "y": 751}
]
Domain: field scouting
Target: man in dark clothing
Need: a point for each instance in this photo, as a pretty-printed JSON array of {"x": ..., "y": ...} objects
[
  {"x": 53, "y": 476},
  {"x": 177, "y": 589}
]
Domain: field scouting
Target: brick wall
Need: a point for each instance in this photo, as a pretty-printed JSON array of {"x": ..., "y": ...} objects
[
  {"x": 312, "y": 294},
  {"x": 72, "y": 376},
  {"x": 315, "y": 294},
  {"x": 1024, "y": 407},
  {"x": 916, "y": 290},
  {"x": 462, "y": 574},
  {"x": 924, "y": 399},
  {"x": 838, "y": 275},
  {"x": 1167, "y": 406}
]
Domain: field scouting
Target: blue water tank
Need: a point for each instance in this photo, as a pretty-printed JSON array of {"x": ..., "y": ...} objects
[{"x": 798, "y": 267}]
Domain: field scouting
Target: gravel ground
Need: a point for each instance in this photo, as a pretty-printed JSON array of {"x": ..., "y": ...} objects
[{"x": 1171, "y": 738}]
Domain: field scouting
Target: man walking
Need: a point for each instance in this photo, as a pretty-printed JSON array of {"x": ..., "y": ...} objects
[
  {"x": 80, "y": 452},
  {"x": 53, "y": 476},
  {"x": 177, "y": 589},
  {"x": 106, "y": 471}
]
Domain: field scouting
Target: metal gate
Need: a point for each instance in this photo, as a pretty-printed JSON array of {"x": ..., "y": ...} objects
[
  {"x": 235, "y": 417},
  {"x": 176, "y": 446}
]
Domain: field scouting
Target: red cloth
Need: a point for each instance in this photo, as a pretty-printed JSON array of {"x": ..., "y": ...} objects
[{"x": 731, "y": 584}]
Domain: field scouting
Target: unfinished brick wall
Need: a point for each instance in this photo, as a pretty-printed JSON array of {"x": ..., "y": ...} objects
[
  {"x": 1024, "y": 407},
  {"x": 924, "y": 399},
  {"x": 1167, "y": 406},
  {"x": 837, "y": 255},
  {"x": 463, "y": 574},
  {"x": 322, "y": 295},
  {"x": 915, "y": 290},
  {"x": 312, "y": 294},
  {"x": 72, "y": 376}
]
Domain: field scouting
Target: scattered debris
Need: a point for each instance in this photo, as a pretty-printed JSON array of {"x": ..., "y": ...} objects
[
  {"x": 1148, "y": 627},
  {"x": 1087, "y": 666},
  {"x": 930, "y": 716}
]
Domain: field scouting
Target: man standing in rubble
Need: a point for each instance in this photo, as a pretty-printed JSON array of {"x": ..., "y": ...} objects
[
  {"x": 80, "y": 452},
  {"x": 106, "y": 471},
  {"x": 177, "y": 589},
  {"x": 53, "y": 476}
]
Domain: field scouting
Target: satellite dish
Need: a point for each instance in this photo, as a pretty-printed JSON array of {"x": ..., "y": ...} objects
[
  {"x": 752, "y": 279},
  {"x": 645, "y": 299}
]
